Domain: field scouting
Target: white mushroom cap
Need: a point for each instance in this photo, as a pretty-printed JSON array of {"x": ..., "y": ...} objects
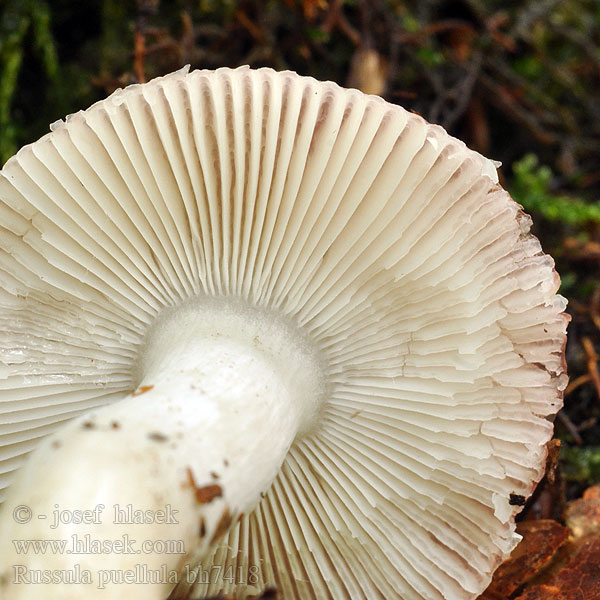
[{"x": 389, "y": 248}]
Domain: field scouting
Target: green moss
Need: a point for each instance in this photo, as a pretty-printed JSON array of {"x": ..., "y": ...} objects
[
  {"x": 531, "y": 188},
  {"x": 23, "y": 23},
  {"x": 581, "y": 464},
  {"x": 430, "y": 57},
  {"x": 567, "y": 282}
]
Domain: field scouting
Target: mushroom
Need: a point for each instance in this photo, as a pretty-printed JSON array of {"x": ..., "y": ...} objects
[{"x": 280, "y": 332}]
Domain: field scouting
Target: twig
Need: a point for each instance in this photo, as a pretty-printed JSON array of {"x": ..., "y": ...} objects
[
  {"x": 145, "y": 8},
  {"x": 588, "y": 424},
  {"x": 500, "y": 96},
  {"x": 571, "y": 428},
  {"x": 250, "y": 26},
  {"x": 531, "y": 13},
  {"x": 575, "y": 305},
  {"x": 576, "y": 383},
  {"x": 477, "y": 124},
  {"x": 336, "y": 18},
  {"x": 464, "y": 91},
  {"x": 577, "y": 38},
  {"x": 595, "y": 308},
  {"x": 433, "y": 28},
  {"x": 493, "y": 25},
  {"x": 592, "y": 364},
  {"x": 139, "y": 52},
  {"x": 540, "y": 102}
]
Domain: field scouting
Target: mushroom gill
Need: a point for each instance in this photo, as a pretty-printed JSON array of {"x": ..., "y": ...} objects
[{"x": 307, "y": 321}]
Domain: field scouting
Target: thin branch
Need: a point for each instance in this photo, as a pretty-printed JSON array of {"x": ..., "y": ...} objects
[
  {"x": 337, "y": 19},
  {"x": 571, "y": 428},
  {"x": 595, "y": 308},
  {"x": 508, "y": 104},
  {"x": 577, "y": 383},
  {"x": 592, "y": 363},
  {"x": 464, "y": 91},
  {"x": 417, "y": 37},
  {"x": 139, "y": 53}
]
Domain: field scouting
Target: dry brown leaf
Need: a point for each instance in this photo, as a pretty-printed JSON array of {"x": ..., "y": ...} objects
[
  {"x": 311, "y": 8},
  {"x": 541, "y": 540},
  {"x": 368, "y": 72},
  {"x": 583, "y": 515},
  {"x": 579, "y": 580}
]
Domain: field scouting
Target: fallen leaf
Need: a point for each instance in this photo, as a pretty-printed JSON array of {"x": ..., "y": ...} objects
[
  {"x": 541, "y": 540},
  {"x": 142, "y": 390},
  {"x": 368, "y": 72},
  {"x": 583, "y": 515},
  {"x": 579, "y": 580}
]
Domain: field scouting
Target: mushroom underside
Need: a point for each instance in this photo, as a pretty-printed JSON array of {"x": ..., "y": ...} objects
[{"x": 415, "y": 295}]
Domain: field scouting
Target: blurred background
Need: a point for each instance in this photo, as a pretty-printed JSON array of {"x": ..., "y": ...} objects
[{"x": 519, "y": 81}]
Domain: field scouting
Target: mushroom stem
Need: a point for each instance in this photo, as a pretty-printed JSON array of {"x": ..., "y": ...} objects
[{"x": 165, "y": 472}]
